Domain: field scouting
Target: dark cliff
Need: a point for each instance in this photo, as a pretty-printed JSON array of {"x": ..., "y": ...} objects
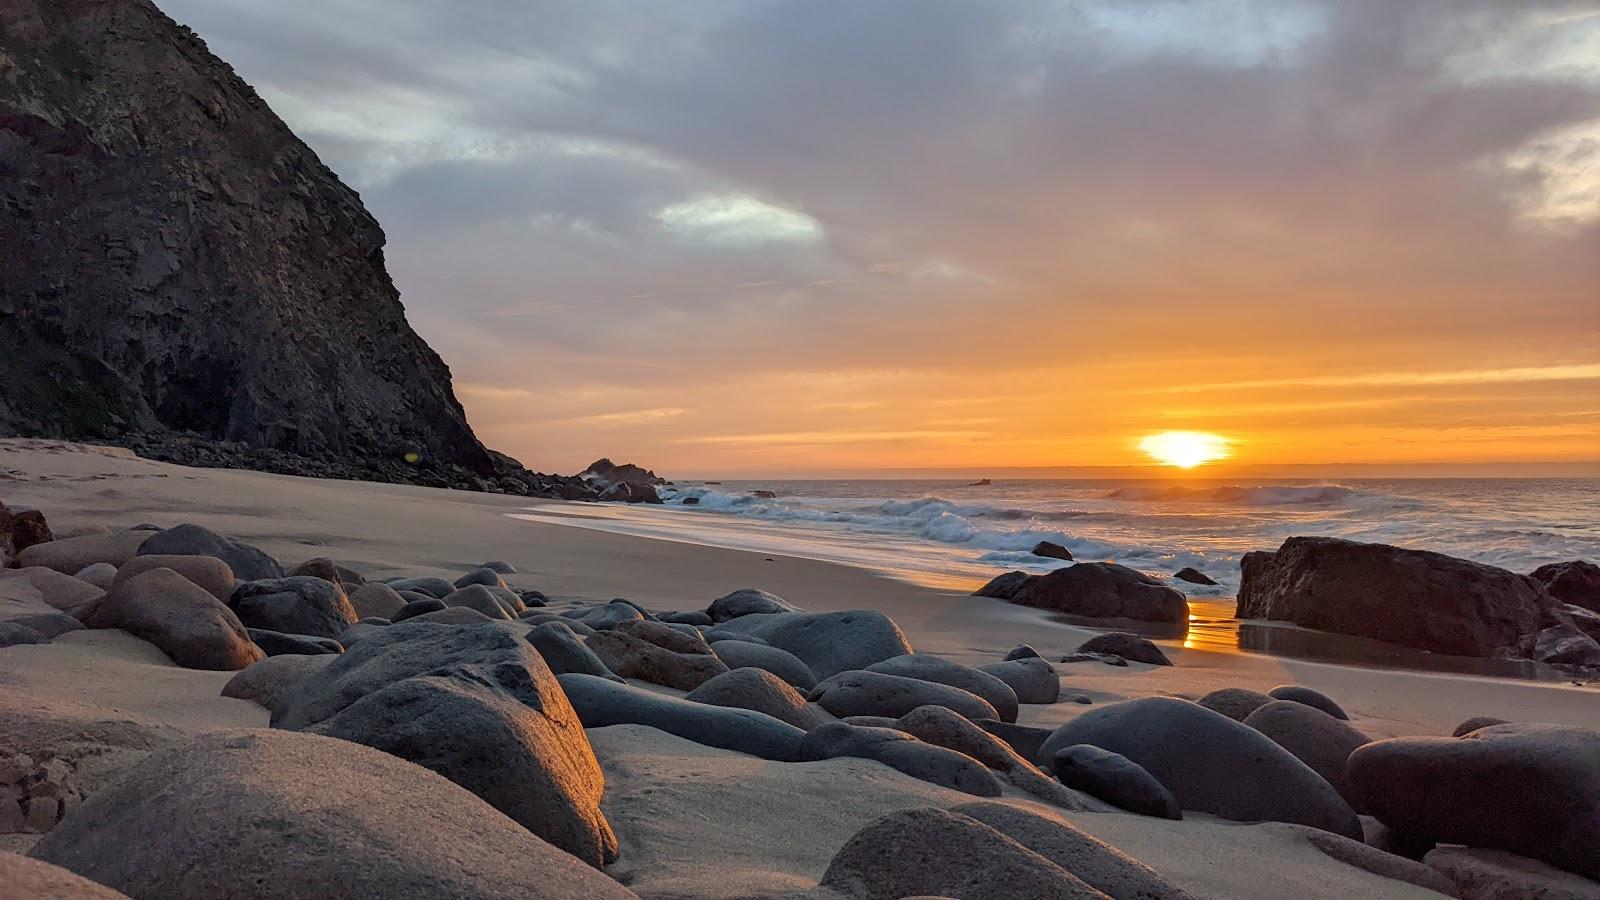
[{"x": 178, "y": 270}]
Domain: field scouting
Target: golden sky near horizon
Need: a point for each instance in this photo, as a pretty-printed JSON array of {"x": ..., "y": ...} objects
[{"x": 772, "y": 236}]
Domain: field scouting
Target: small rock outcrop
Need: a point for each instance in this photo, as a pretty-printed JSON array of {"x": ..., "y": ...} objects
[
  {"x": 1051, "y": 550},
  {"x": 1576, "y": 582},
  {"x": 1095, "y": 590}
]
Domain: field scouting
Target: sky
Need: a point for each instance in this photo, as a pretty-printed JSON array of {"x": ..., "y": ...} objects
[{"x": 762, "y": 237}]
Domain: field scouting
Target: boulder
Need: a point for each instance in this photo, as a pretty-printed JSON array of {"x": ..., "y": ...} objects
[
  {"x": 1586, "y": 620},
  {"x": 937, "y": 669},
  {"x": 828, "y": 643},
  {"x": 376, "y": 599},
  {"x": 438, "y": 588},
  {"x": 101, "y": 575},
  {"x": 1005, "y": 586},
  {"x": 1366, "y": 857},
  {"x": 634, "y": 657},
  {"x": 862, "y": 693},
  {"x": 29, "y": 620},
  {"x": 945, "y": 728},
  {"x": 209, "y": 572},
  {"x": 13, "y": 634},
  {"x": 299, "y": 604},
  {"x": 1106, "y": 658},
  {"x": 534, "y": 617},
  {"x": 930, "y": 852},
  {"x": 1480, "y": 874},
  {"x": 1022, "y": 651},
  {"x": 1115, "y": 779},
  {"x": 271, "y": 681},
  {"x": 686, "y": 640},
  {"x": 1092, "y": 860},
  {"x": 535, "y": 766},
  {"x": 346, "y": 578},
  {"x": 272, "y": 814},
  {"x": 418, "y": 608},
  {"x": 1576, "y": 582},
  {"x": 1533, "y": 790},
  {"x": 693, "y": 617},
  {"x": 601, "y": 702},
  {"x": 1032, "y": 679},
  {"x": 1194, "y": 576},
  {"x": 21, "y": 527},
  {"x": 362, "y": 629},
  {"x": 1314, "y": 737},
  {"x": 1474, "y": 723},
  {"x": 247, "y": 562},
  {"x": 1130, "y": 647},
  {"x": 1210, "y": 763},
  {"x": 454, "y": 615},
  {"x": 738, "y": 654},
  {"x": 1052, "y": 551},
  {"x": 276, "y": 643},
  {"x": 182, "y": 619},
  {"x": 1234, "y": 702},
  {"x": 31, "y": 879},
  {"x": 1101, "y": 590},
  {"x": 500, "y": 567},
  {"x": 564, "y": 652},
  {"x": 1024, "y": 739},
  {"x": 607, "y": 616},
  {"x": 1411, "y": 597},
  {"x": 69, "y": 555},
  {"x": 1312, "y": 698},
  {"x": 903, "y": 753},
  {"x": 484, "y": 576},
  {"x": 761, "y": 691},
  {"x": 67, "y": 593},
  {"x": 478, "y": 597}
]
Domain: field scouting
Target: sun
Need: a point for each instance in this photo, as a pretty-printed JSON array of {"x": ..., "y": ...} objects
[{"x": 1185, "y": 449}]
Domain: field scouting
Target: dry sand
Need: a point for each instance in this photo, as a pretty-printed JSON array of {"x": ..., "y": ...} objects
[{"x": 694, "y": 821}]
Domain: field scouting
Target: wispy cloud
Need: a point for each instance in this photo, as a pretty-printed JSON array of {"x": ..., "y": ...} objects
[{"x": 1579, "y": 372}]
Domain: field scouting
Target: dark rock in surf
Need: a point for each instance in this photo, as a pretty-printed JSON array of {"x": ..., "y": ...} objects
[
  {"x": 1194, "y": 576},
  {"x": 1051, "y": 550},
  {"x": 1576, "y": 582},
  {"x": 1095, "y": 590}
]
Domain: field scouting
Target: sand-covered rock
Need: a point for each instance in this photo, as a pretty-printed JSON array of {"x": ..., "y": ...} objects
[
  {"x": 634, "y": 657},
  {"x": 69, "y": 555},
  {"x": 1130, "y": 647},
  {"x": 745, "y": 602},
  {"x": 181, "y": 618},
  {"x": 298, "y": 604},
  {"x": 1032, "y": 678},
  {"x": 864, "y": 693},
  {"x": 600, "y": 702},
  {"x": 762, "y": 691},
  {"x": 533, "y": 765},
  {"x": 828, "y": 643},
  {"x": 1234, "y": 702},
  {"x": 564, "y": 652},
  {"x": 1480, "y": 874},
  {"x": 375, "y": 599},
  {"x": 22, "y": 878},
  {"x": 1210, "y": 763},
  {"x": 247, "y": 562},
  {"x": 903, "y": 753},
  {"x": 737, "y": 654},
  {"x": 272, "y": 680},
  {"x": 1531, "y": 789},
  {"x": 208, "y": 572},
  {"x": 1314, "y": 737},
  {"x": 937, "y": 669},
  {"x": 275, "y": 814},
  {"x": 1115, "y": 779}
]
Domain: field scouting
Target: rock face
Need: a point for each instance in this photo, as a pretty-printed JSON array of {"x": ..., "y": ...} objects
[
  {"x": 20, "y": 528},
  {"x": 273, "y": 814},
  {"x": 1412, "y": 597},
  {"x": 1576, "y": 582},
  {"x": 1095, "y": 590}
]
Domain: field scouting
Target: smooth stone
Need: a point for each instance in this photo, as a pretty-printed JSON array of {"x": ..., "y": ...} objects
[
  {"x": 1315, "y": 699},
  {"x": 376, "y": 599},
  {"x": 540, "y": 617},
  {"x": 1210, "y": 763},
  {"x": 28, "y": 616},
  {"x": 437, "y": 588},
  {"x": 863, "y": 693},
  {"x": 1032, "y": 679},
  {"x": 739, "y": 654},
  {"x": 248, "y": 563},
  {"x": 67, "y": 593},
  {"x": 1531, "y": 789},
  {"x": 298, "y": 604},
  {"x": 101, "y": 575},
  {"x": 500, "y": 567},
  {"x": 1025, "y": 739},
  {"x": 762, "y": 691},
  {"x": 934, "y": 852},
  {"x": 1092, "y": 860},
  {"x": 1474, "y": 723},
  {"x": 13, "y": 634},
  {"x": 713, "y": 636},
  {"x": 478, "y": 597},
  {"x": 181, "y": 618},
  {"x": 322, "y": 567},
  {"x": 1130, "y": 647},
  {"x": 634, "y": 657},
  {"x": 828, "y": 643},
  {"x": 1022, "y": 651},
  {"x": 533, "y": 598},
  {"x": 1085, "y": 699},
  {"x": 73, "y": 554},
  {"x": 484, "y": 576},
  {"x": 944, "y": 728},
  {"x": 608, "y": 616},
  {"x": 1314, "y": 737},
  {"x": 361, "y": 629},
  {"x": 1234, "y": 702},
  {"x": 208, "y": 572},
  {"x": 937, "y": 669},
  {"x": 271, "y": 681},
  {"x": 691, "y": 617},
  {"x": 454, "y": 615},
  {"x": 1115, "y": 779},
  {"x": 1194, "y": 576},
  {"x": 745, "y": 602},
  {"x": 1051, "y": 550},
  {"x": 1102, "y": 590},
  {"x": 535, "y": 765},
  {"x": 1366, "y": 857},
  {"x": 564, "y": 652},
  {"x": 904, "y": 753},
  {"x": 417, "y": 608},
  {"x": 276, "y": 643},
  {"x": 1481, "y": 874},
  {"x": 601, "y": 702},
  {"x": 32, "y": 879},
  {"x": 686, "y": 640},
  {"x": 1005, "y": 586},
  {"x": 259, "y": 814}
]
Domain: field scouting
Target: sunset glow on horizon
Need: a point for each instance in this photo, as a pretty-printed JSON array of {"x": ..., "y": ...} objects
[{"x": 1185, "y": 449}]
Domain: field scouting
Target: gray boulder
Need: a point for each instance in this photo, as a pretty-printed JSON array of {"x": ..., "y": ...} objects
[
  {"x": 683, "y": 639},
  {"x": 1474, "y": 723},
  {"x": 271, "y": 681},
  {"x": 180, "y": 618},
  {"x": 737, "y": 654},
  {"x": 71, "y": 554},
  {"x": 1234, "y": 702},
  {"x": 862, "y": 693},
  {"x": 1115, "y": 779},
  {"x": 376, "y": 599},
  {"x": 692, "y": 617},
  {"x": 500, "y": 567},
  {"x": 929, "y": 852},
  {"x": 564, "y": 652},
  {"x": 416, "y": 608},
  {"x": 1314, "y": 699},
  {"x": 484, "y": 576},
  {"x": 937, "y": 669},
  {"x": 454, "y": 615},
  {"x": 276, "y": 643},
  {"x": 1576, "y": 582},
  {"x": 1032, "y": 679},
  {"x": 1210, "y": 763},
  {"x": 27, "y": 616},
  {"x": 1051, "y": 550},
  {"x": 1531, "y": 789},
  {"x": 1005, "y": 586},
  {"x": 322, "y": 567},
  {"x": 258, "y": 814},
  {"x": 944, "y": 728},
  {"x": 208, "y": 572},
  {"x": 535, "y": 617},
  {"x": 1315, "y": 738},
  {"x": 299, "y": 604},
  {"x": 248, "y": 563},
  {"x": 101, "y": 575},
  {"x": 828, "y": 643},
  {"x": 1025, "y": 739},
  {"x": 761, "y": 691},
  {"x": 12, "y": 634},
  {"x": 607, "y": 616},
  {"x": 438, "y": 588},
  {"x": 478, "y": 598},
  {"x": 745, "y": 602},
  {"x": 903, "y": 753},
  {"x": 1022, "y": 651},
  {"x": 1130, "y": 647},
  {"x": 1099, "y": 590},
  {"x": 534, "y": 766},
  {"x": 600, "y": 702},
  {"x": 634, "y": 657}
]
